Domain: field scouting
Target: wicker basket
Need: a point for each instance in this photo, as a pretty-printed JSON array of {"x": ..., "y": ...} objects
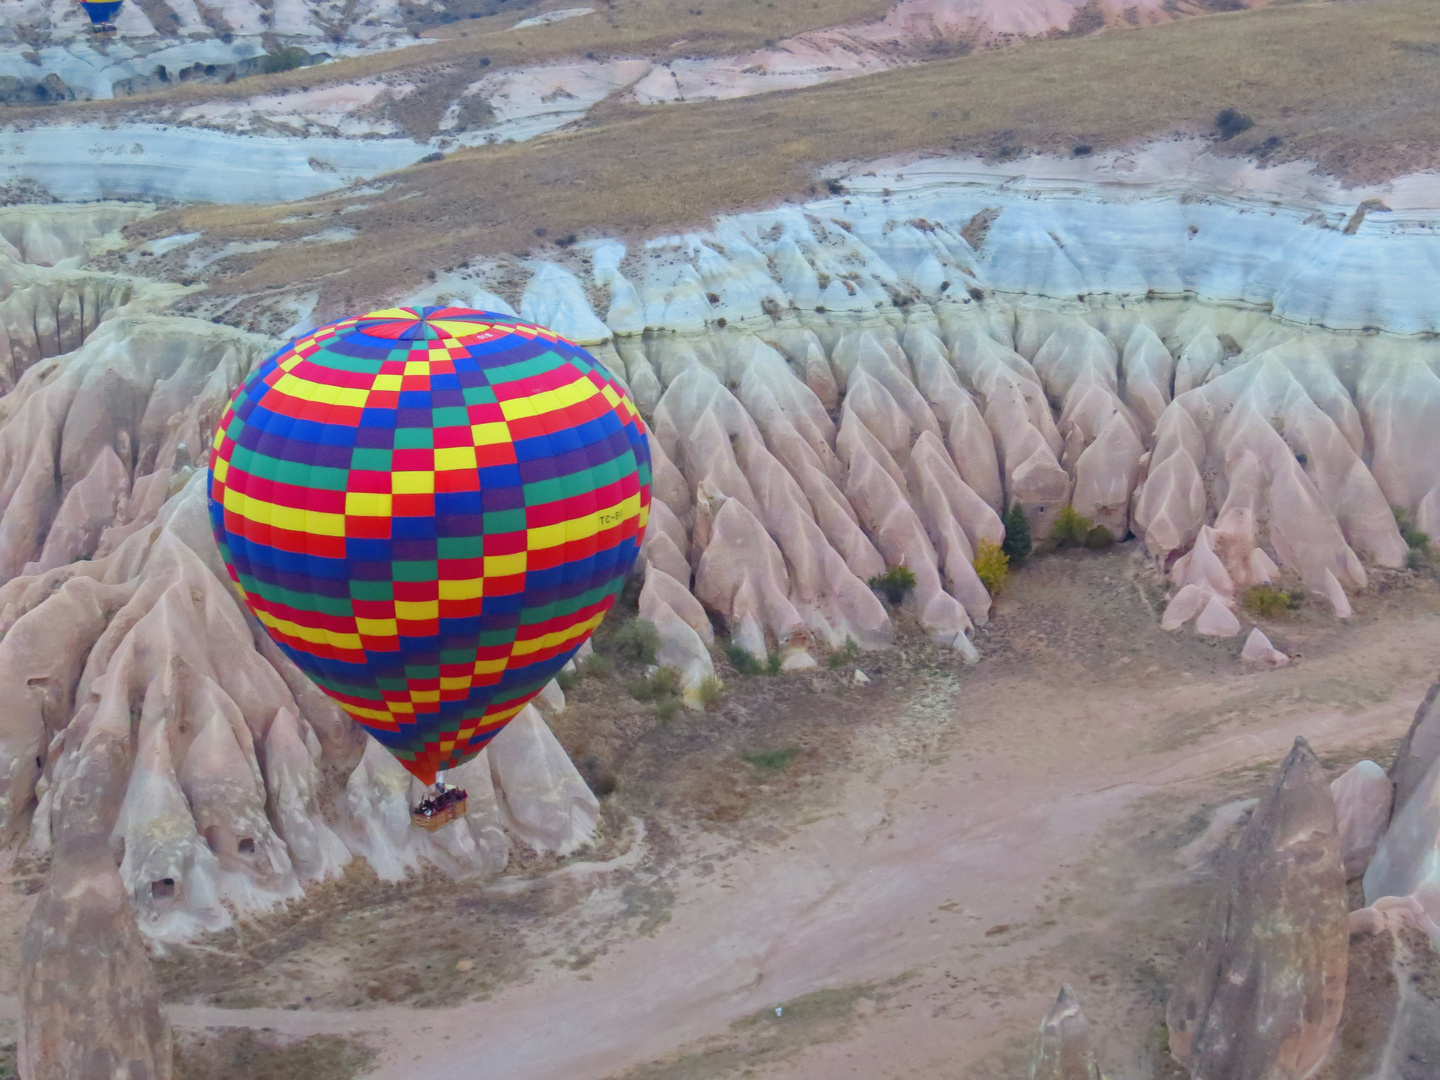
[{"x": 431, "y": 822}]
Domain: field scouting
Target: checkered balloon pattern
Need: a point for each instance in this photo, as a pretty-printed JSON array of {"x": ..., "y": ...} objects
[{"x": 430, "y": 509}]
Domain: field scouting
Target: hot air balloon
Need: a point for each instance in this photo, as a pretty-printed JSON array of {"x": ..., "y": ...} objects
[
  {"x": 430, "y": 510},
  {"x": 102, "y": 14}
]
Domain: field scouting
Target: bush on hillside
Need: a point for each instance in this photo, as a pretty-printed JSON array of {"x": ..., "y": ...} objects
[
  {"x": 1071, "y": 528},
  {"x": 1017, "y": 544},
  {"x": 635, "y": 640},
  {"x": 710, "y": 692},
  {"x": 895, "y": 584},
  {"x": 846, "y": 654},
  {"x": 1267, "y": 602},
  {"x": 285, "y": 59},
  {"x": 992, "y": 566},
  {"x": 1231, "y": 122}
]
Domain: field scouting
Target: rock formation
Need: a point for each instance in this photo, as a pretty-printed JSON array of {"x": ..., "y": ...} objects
[
  {"x": 90, "y": 1005},
  {"x": 1419, "y": 749},
  {"x": 1407, "y": 860},
  {"x": 1362, "y": 810},
  {"x": 1064, "y": 1051},
  {"x": 1261, "y": 653},
  {"x": 1390, "y": 1029},
  {"x": 829, "y": 396},
  {"x": 243, "y": 782},
  {"x": 1260, "y": 995}
]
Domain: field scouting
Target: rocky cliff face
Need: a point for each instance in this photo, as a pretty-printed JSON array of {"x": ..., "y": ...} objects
[
  {"x": 1391, "y": 1025},
  {"x": 90, "y": 1003},
  {"x": 828, "y": 396},
  {"x": 1260, "y": 996},
  {"x": 241, "y": 782}
]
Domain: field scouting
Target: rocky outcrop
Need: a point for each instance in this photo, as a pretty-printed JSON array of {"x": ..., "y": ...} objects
[
  {"x": 1362, "y": 810},
  {"x": 1407, "y": 859},
  {"x": 1064, "y": 1051},
  {"x": 90, "y": 1005},
  {"x": 243, "y": 782},
  {"x": 1390, "y": 1029},
  {"x": 1260, "y": 995},
  {"x": 1419, "y": 750},
  {"x": 829, "y": 397},
  {"x": 1259, "y": 652}
]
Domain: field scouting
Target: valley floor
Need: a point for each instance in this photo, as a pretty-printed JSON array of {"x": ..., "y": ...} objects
[{"x": 879, "y": 881}]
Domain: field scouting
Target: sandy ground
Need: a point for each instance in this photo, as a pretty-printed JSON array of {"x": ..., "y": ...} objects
[{"x": 1048, "y": 816}]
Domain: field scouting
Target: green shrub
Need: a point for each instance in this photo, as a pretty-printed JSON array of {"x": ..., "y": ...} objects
[
  {"x": 773, "y": 664},
  {"x": 286, "y": 59},
  {"x": 1231, "y": 122},
  {"x": 598, "y": 667},
  {"x": 1099, "y": 538},
  {"x": 1017, "y": 544},
  {"x": 635, "y": 640},
  {"x": 1267, "y": 601},
  {"x": 1071, "y": 528},
  {"x": 846, "y": 654},
  {"x": 992, "y": 566},
  {"x": 771, "y": 760},
  {"x": 1421, "y": 553},
  {"x": 895, "y": 584},
  {"x": 666, "y": 682},
  {"x": 568, "y": 680},
  {"x": 741, "y": 660},
  {"x": 667, "y": 710},
  {"x": 710, "y": 691}
]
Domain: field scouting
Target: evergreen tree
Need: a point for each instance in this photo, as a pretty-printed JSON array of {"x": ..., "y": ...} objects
[{"x": 1017, "y": 535}]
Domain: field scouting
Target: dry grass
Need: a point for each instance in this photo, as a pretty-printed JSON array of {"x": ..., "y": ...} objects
[
  {"x": 619, "y": 28},
  {"x": 1350, "y": 85},
  {"x": 243, "y": 1055}
]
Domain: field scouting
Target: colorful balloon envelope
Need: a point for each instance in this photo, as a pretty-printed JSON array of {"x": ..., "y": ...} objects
[
  {"x": 430, "y": 510},
  {"x": 101, "y": 12}
]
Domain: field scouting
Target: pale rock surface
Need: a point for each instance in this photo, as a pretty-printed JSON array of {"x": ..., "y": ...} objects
[
  {"x": 795, "y": 454},
  {"x": 1260, "y": 652},
  {"x": 1064, "y": 1051},
  {"x": 1259, "y": 997},
  {"x": 1407, "y": 860},
  {"x": 1362, "y": 807},
  {"x": 684, "y": 630},
  {"x": 246, "y": 782},
  {"x": 1390, "y": 1029},
  {"x": 542, "y": 799},
  {"x": 1185, "y": 605},
  {"x": 90, "y": 1004},
  {"x": 1216, "y": 620},
  {"x": 1419, "y": 749}
]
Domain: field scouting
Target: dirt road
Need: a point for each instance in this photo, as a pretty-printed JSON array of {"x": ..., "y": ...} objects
[{"x": 966, "y": 884}]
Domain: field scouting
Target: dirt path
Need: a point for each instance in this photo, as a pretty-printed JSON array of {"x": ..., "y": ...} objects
[{"x": 974, "y": 881}]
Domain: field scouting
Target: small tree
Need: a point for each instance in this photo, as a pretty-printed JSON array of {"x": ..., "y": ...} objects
[
  {"x": 1017, "y": 535},
  {"x": 1070, "y": 528},
  {"x": 895, "y": 584},
  {"x": 992, "y": 566},
  {"x": 1231, "y": 122}
]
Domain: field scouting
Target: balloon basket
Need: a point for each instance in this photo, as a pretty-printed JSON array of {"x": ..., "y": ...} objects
[{"x": 430, "y": 820}]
